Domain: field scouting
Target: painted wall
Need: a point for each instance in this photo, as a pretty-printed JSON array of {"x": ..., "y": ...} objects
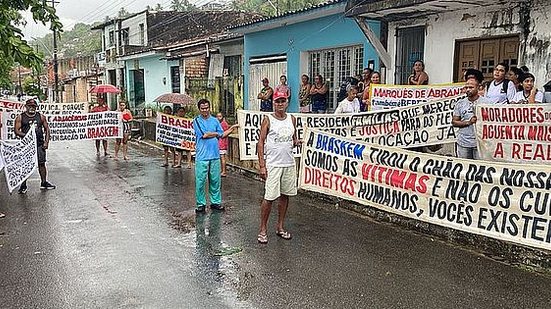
[
  {"x": 322, "y": 33},
  {"x": 443, "y": 30},
  {"x": 133, "y": 25},
  {"x": 156, "y": 76}
]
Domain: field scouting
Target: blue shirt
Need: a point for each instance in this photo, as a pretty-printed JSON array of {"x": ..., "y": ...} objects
[{"x": 206, "y": 148}]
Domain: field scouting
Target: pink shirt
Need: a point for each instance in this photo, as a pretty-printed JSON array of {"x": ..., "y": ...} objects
[{"x": 223, "y": 142}]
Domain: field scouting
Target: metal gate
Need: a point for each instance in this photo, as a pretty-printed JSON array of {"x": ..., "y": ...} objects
[
  {"x": 410, "y": 47},
  {"x": 272, "y": 68}
]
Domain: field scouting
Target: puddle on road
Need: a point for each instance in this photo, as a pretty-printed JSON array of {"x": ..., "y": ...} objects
[{"x": 183, "y": 222}]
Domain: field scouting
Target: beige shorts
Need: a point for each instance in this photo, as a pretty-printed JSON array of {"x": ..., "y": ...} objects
[{"x": 280, "y": 181}]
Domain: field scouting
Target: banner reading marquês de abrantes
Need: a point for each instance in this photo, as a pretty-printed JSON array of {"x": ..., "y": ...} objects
[
  {"x": 505, "y": 201},
  {"x": 514, "y": 133},
  {"x": 413, "y": 126},
  {"x": 393, "y": 96},
  {"x": 73, "y": 127},
  {"x": 175, "y": 131}
]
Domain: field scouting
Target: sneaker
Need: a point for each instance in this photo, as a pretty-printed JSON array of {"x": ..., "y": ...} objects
[
  {"x": 217, "y": 207},
  {"x": 47, "y": 186},
  {"x": 22, "y": 189},
  {"x": 200, "y": 209}
]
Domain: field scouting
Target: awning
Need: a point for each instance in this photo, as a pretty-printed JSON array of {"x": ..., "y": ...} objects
[{"x": 394, "y": 10}]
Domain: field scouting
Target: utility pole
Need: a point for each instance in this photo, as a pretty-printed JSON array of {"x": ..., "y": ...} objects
[{"x": 56, "y": 67}]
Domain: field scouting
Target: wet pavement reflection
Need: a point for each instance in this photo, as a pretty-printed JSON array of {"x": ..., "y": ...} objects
[{"x": 123, "y": 234}]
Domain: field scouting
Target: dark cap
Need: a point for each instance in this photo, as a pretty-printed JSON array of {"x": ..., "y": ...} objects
[
  {"x": 265, "y": 79},
  {"x": 31, "y": 102}
]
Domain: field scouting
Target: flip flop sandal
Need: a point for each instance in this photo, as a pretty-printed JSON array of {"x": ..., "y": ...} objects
[
  {"x": 284, "y": 234},
  {"x": 164, "y": 165},
  {"x": 176, "y": 166},
  {"x": 263, "y": 239}
]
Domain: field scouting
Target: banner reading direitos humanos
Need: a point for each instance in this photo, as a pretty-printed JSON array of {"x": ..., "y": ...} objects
[
  {"x": 499, "y": 200},
  {"x": 413, "y": 126}
]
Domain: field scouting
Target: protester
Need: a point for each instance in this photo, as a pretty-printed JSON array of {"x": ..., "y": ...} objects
[
  {"x": 318, "y": 94},
  {"x": 101, "y": 107},
  {"x": 277, "y": 164},
  {"x": 529, "y": 92},
  {"x": 515, "y": 75},
  {"x": 350, "y": 104},
  {"x": 283, "y": 87},
  {"x": 223, "y": 144},
  {"x": 500, "y": 90},
  {"x": 464, "y": 118},
  {"x": 418, "y": 76},
  {"x": 167, "y": 149},
  {"x": 365, "y": 103},
  {"x": 126, "y": 131},
  {"x": 23, "y": 124},
  {"x": 180, "y": 151},
  {"x": 207, "y": 157},
  {"x": 265, "y": 96},
  {"x": 304, "y": 94},
  {"x": 366, "y": 80}
]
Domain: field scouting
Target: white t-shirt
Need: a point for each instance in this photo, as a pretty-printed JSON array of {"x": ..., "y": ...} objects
[
  {"x": 346, "y": 106},
  {"x": 521, "y": 98},
  {"x": 495, "y": 93}
]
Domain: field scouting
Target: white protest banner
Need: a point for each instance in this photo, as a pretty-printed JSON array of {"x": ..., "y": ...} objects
[
  {"x": 414, "y": 126},
  {"x": 20, "y": 159},
  {"x": 48, "y": 108},
  {"x": 500, "y": 200},
  {"x": 514, "y": 133},
  {"x": 89, "y": 126},
  {"x": 175, "y": 132},
  {"x": 392, "y": 96},
  {"x": 7, "y": 132}
]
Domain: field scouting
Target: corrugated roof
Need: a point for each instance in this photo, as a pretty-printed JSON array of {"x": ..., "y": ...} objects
[{"x": 289, "y": 13}]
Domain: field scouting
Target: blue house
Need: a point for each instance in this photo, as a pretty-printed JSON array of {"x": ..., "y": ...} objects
[{"x": 317, "y": 40}]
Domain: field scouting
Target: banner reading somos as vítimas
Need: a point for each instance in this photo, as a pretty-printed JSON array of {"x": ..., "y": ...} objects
[
  {"x": 503, "y": 201},
  {"x": 514, "y": 133},
  {"x": 413, "y": 126},
  {"x": 175, "y": 132},
  {"x": 392, "y": 96}
]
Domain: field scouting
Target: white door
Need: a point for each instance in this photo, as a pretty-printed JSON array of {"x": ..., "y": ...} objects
[{"x": 257, "y": 72}]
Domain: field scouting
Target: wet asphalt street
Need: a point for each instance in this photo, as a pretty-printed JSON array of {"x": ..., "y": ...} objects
[{"x": 118, "y": 234}]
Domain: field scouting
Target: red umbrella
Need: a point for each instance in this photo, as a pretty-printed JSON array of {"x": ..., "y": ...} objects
[
  {"x": 105, "y": 88},
  {"x": 175, "y": 98}
]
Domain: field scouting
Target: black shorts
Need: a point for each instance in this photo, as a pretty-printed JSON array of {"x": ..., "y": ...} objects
[{"x": 41, "y": 154}]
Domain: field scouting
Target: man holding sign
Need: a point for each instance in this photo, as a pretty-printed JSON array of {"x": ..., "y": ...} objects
[
  {"x": 23, "y": 124},
  {"x": 277, "y": 165}
]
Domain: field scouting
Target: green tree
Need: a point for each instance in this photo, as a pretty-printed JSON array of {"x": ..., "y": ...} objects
[
  {"x": 32, "y": 88},
  {"x": 14, "y": 48},
  {"x": 158, "y": 7},
  {"x": 182, "y": 6}
]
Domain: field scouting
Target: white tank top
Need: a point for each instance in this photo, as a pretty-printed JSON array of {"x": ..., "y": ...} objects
[{"x": 279, "y": 143}]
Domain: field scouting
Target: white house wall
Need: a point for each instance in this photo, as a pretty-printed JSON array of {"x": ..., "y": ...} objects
[
  {"x": 133, "y": 25},
  {"x": 443, "y": 30}
]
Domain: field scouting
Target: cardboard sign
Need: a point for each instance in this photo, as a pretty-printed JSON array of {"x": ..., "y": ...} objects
[
  {"x": 19, "y": 159},
  {"x": 175, "y": 132}
]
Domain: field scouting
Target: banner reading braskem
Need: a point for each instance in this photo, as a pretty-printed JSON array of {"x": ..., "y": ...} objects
[
  {"x": 413, "y": 126},
  {"x": 500, "y": 200},
  {"x": 514, "y": 133},
  {"x": 175, "y": 132}
]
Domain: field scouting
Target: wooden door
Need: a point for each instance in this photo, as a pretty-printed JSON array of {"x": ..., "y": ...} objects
[
  {"x": 489, "y": 57},
  {"x": 509, "y": 51},
  {"x": 469, "y": 53}
]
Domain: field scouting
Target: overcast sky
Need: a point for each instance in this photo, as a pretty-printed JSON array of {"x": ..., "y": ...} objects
[{"x": 73, "y": 11}]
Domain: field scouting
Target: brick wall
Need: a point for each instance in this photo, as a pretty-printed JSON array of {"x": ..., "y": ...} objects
[{"x": 196, "y": 67}]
